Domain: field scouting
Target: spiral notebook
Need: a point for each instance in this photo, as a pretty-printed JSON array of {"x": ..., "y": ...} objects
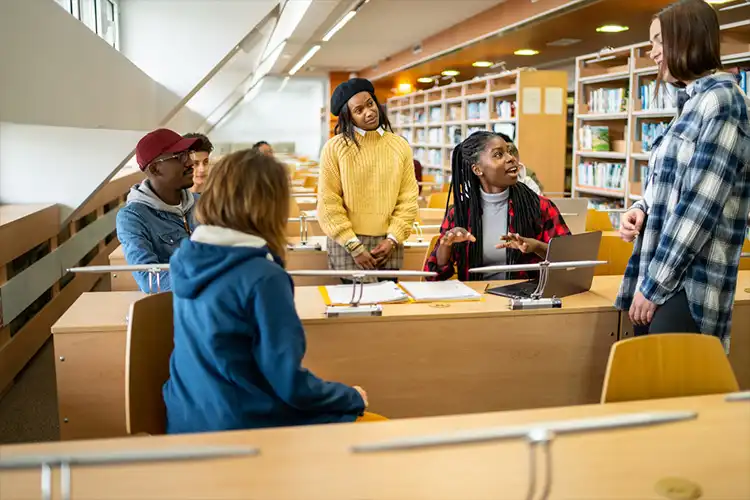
[
  {"x": 440, "y": 291},
  {"x": 386, "y": 292}
]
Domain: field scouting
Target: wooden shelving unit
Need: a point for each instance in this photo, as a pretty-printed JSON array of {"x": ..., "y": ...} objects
[
  {"x": 628, "y": 68},
  {"x": 435, "y": 120}
]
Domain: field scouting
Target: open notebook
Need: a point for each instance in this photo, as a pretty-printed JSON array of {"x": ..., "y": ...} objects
[
  {"x": 374, "y": 293},
  {"x": 440, "y": 291}
]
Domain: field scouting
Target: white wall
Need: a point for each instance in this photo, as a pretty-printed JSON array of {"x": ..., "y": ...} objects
[{"x": 293, "y": 115}]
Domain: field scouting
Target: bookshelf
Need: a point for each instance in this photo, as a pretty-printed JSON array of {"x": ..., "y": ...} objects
[
  {"x": 615, "y": 91},
  {"x": 433, "y": 121}
]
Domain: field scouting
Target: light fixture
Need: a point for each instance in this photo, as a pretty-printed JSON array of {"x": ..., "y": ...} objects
[
  {"x": 526, "y": 52},
  {"x": 719, "y": 2},
  {"x": 482, "y": 64},
  {"x": 283, "y": 84},
  {"x": 348, "y": 17},
  {"x": 304, "y": 60},
  {"x": 425, "y": 79},
  {"x": 404, "y": 88},
  {"x": 450, "y": 72},
  {"x": 612, "y": 28}
]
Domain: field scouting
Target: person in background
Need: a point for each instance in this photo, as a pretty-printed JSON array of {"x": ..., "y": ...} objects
[
  {"x": 418, "y": 173},
  {"x": 496, "y": 219},
  {"x": 238, "y": 342},
  {"x": 367, "y": 191},
  {"x": 690, "y": 226},
  {"x": 202, "y": 150},
  {"x": 526, "y": 175},
  {"x": 263, "y": 148},
  {"x": 159, "y": 211}
]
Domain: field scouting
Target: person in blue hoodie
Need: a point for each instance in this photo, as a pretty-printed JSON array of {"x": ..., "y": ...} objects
[
  {"x": 159, "y": 211},
  {"x": 238, "y": 342}
]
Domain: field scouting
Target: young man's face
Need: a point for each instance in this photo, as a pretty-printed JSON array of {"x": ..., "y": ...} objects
[
  {"x": 173, "y": 170},
  {"x": 200, "y": 167},
  {"x": 365, "y": 113},
  {"x": 265, "y": 149}
]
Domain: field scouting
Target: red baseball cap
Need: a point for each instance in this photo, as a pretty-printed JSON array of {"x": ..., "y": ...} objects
[{"x": 158, "y": 142}]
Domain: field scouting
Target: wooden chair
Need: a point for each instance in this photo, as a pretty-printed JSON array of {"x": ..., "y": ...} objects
[
  {"x": 667, "y": 366},
  {"x": 433, "y": 244},
  {"x": 598, "y": 221},
  {"x": 438, "y": 200},
  {"x": 150, "y": 341}
]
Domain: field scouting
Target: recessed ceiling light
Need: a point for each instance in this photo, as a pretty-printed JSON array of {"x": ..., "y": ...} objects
[
  {"x": 404, "y": 88},
  {"x": 719, "y": 2},
  {"x": 526, "y": 52},
  {"x": 450, "y": 72},
  {"x": 482, "y": 64},
  {"x": 424, "y": 79},
  {"x": 612, "y": 28}
]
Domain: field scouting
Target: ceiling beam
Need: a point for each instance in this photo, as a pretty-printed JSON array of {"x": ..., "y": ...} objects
[{"x": 493, "y": 21}]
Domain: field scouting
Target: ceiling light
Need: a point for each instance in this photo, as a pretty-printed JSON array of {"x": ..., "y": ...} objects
[
  {"x": 718, "y": 2},
  {"x": 304, "y": 60},
  {"x": 612, "y": 28},
  {"x": 482, "y": 64},
  {"x": 526, "y": 52},
  {"x": 450, "y": 72},
  {"x": 425, "y": 79},
  {"x": 348, "y": 17},
  {"x": 404, "y": 88}
]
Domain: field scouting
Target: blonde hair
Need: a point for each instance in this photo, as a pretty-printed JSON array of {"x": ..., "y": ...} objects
[{"x": 248, "y": 192}]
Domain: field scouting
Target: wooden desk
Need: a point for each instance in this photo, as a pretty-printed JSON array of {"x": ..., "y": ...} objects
[
  {"x": 315, "y": 463},
  {"x": 739, "y": 351},
  {"x": 431, "y": 216},
  {"x": 415, "y": 360}
]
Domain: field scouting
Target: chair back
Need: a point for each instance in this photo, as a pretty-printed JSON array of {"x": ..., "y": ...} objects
[
  {"x": 433, "y": 243},
  {"x": 438, "y": 200},
  {"x": 667, "y": 366},
  {"x": 150, "y": 341},
  {"x": 598, "y": 221}
]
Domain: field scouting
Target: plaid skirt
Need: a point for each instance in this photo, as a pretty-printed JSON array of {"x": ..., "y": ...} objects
[{"x": 340, "y": 260}]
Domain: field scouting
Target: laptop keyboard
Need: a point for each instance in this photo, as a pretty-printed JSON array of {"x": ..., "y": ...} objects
[{"x": 521, "y": 290}]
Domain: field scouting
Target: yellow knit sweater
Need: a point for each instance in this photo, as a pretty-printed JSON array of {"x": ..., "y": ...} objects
[{"x": 368, "y": 191}]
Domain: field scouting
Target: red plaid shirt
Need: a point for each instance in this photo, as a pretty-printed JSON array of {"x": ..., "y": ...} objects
[{"x": 552, "y": 225}]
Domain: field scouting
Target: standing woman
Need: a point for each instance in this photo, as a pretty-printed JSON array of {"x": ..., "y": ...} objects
[
  {"x": 367, "y": 191},
  {"x": 689, "y": 228},
  {"x": 496, "y": 219}
]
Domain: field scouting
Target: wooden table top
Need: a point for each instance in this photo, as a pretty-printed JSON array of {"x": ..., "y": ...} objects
[
  {"x": 97, "y": 312},
  {"x": 316, "y": 462},
  {"x": 13, "y": 213}
]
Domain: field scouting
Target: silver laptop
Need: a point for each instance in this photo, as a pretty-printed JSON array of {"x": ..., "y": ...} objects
[
  {"x": 574, "y": 211},
  {"x": 561, "y": 282}
]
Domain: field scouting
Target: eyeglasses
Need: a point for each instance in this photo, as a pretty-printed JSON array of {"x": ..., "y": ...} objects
[{"x": 182, "y": 157}]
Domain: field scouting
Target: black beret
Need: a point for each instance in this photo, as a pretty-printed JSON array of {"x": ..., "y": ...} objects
[{"x": 346, "y": 91}]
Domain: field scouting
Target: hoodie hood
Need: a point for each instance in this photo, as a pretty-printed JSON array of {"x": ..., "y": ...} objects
[
  {"x": 143, "y": 193},
  {"x": 211, "y": 252}
]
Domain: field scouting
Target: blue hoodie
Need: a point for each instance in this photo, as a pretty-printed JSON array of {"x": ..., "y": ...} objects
[{"x": 239, "y": 343}]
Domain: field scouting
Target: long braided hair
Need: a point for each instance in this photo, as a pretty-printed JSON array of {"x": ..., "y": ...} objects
[
  {"x": 466, "y": 187},
  {"x": 345, "y": 124}
]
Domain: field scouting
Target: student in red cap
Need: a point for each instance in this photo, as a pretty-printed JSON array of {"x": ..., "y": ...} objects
[{"x": 159, "y": 212}]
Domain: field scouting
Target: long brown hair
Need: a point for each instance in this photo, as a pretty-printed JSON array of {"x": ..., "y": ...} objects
[
  {"x": 690, "y": 38},
  {"x": 248, "y": 192}
]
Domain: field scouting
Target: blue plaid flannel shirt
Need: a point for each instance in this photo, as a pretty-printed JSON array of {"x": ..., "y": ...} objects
[{"x": 695, "y": 227}]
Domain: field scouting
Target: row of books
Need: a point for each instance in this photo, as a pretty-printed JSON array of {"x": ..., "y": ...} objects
[
  {"x": 608, "y": 100},
  {"x": 651, "y": 100},
  {"x": 429, "y": 156},
  {"x": 477, "y": 110},
  {"x": 454, "y": 113},
  {"x": 593, "y": 138},
  {"x": 603, "y": 175},
  {"x": 505, "y": 110},
  {"x": 650, "y": 132},
  {"x": 743, "y": 78}
]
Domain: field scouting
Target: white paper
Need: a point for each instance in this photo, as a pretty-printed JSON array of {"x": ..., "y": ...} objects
[
  {"x": 553, "y": 101},
  {"x": 374, "y": 293},
  {"x": 427, "y": 291},
  {"x": 531, "y": 100}
]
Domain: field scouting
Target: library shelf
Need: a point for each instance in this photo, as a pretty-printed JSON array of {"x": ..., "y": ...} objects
[
  {"x": 635, "y": 197},
  {"x": 609, "y": 193},
  {"x": 640, "y": 156},
  {"x": 603, "y": 116},
  {"x": 655, "y": 113},
  {"x": 602, "y": 155},
  {"x": 607, "y": 77},
  {"x": 541, "y": 137},
  {"x": 651, "y": 70}
]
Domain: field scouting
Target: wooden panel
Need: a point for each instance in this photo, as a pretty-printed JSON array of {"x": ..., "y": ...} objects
[
  {"x": 27, "y": 341},
  {"x": 109, "y": 191},
  {"x": 111, "y": 312},
  {"x": 316, "y": 463},
  {"x": 444, "y": 366},
  {"x": 90, "y": 371},
  {"x": 22, "y": 227}
]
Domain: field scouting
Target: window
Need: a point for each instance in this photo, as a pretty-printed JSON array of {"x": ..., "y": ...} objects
[
  {"x": 100, "y": 16},
  {"x": 87, "y": 13},
  {"x": 109, "y": 22},
  {"x": 66, "y": 4}
]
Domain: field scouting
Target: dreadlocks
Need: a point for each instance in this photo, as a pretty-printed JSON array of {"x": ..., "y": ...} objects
[
  {"x": 468, "y": 203},
  {"x": 345, "y": 124}
]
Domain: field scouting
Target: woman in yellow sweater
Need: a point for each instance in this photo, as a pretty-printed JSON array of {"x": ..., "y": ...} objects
[{"x": 367, "y": 192}]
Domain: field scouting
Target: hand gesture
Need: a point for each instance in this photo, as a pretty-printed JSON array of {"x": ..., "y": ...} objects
[
  {"x": 518, "y": 242},
  {"x": 631, "y": 223},
  {"x": 456, "y": 235},
  {"x": 365, "y": 261},
  {"x": 384, "y": 250}
]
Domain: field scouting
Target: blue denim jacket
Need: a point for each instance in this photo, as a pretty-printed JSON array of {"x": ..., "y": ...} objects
[{"x": 150, "y": 231}]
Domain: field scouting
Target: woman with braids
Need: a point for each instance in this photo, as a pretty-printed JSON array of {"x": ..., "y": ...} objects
[
  {"x": 367, "y": 191},
  {"x": 496, "y": 219}
]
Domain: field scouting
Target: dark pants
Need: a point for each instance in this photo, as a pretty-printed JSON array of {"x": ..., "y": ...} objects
[{"x": 672, "y": 317}]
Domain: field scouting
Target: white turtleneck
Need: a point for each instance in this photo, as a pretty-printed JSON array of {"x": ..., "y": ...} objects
[{"x": 494, "y": 225}]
